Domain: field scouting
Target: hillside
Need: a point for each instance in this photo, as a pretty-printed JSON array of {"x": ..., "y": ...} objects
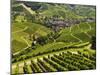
[
  {"x": 22, "y": 34},
  {"x": 51, "y": 37}
]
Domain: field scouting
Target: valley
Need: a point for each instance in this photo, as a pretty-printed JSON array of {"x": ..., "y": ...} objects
[{"x": 51, "y": 37}]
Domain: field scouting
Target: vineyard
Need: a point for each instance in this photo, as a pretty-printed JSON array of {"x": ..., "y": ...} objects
[
  {"x": 78, "y": 33},
  {"x": 52, "y": 37},
  {"x": 64, "y": 61}
]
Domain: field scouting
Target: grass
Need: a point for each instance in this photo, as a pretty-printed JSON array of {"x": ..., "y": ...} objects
[
  {"x": 84, "y": 27},
  {"x": 67, "y": 38},
  {"x": 20, "y": 30},
  {"x": 82, "y": 36},
  {"x": 17, "y": 46},
  {"x": 79, "y": 31}
]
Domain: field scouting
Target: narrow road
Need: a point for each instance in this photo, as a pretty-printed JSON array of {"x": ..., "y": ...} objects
[{"x": 28, "y": 9}]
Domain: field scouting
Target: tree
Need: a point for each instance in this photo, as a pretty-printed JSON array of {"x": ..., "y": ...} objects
[{"x": 41, "y": 40}]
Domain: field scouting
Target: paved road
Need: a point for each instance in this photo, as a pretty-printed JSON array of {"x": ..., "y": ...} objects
[{"x": 28, "y": 9}]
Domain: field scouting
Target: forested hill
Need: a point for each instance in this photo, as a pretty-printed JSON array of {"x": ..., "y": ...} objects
[
  {"x": 63, "y": 10},
  {"x": 74, "y": 10}
]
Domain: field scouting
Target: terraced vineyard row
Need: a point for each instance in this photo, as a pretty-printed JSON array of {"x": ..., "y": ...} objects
[
  {"x": 75, "y": 33},
  {"x": 49, "y": 48},
  {"x": 64, "y": 61}
]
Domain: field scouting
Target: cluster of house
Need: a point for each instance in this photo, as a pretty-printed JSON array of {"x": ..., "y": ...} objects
[{"x": 57, "y": 24}]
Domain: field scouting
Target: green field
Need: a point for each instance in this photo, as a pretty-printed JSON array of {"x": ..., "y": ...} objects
[
  {"x": 22, "y": 31},
  {"x": 50, "y": 37}
]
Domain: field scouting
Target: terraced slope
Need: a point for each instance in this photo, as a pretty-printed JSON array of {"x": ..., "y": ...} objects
[
  {"x": 78, "y": 33},
  {"x": 48, "y": 37},
  {"x": 62, "y": 61},
  {"x": 22, "y": 31}
]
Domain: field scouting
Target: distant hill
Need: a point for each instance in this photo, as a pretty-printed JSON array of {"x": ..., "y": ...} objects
[{"x": 68, "y": 11}]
